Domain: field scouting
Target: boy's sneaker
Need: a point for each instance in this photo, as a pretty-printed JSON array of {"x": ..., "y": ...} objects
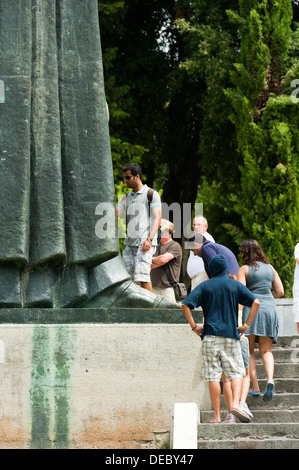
[
  {"x": 230, "y": 419},
  {"x": 244, "y": 407}
]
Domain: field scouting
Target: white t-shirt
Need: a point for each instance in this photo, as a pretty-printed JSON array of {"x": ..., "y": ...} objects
[{"x": 195, "y": 263}]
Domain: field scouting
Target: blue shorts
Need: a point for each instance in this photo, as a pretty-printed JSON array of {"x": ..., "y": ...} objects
[{"x": 245, "y": 351}]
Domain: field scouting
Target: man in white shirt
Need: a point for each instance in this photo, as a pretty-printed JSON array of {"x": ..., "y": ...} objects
[{"x": 195, "y": 265}]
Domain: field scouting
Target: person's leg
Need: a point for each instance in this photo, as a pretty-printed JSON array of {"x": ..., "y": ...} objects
[
  {"x": 227, "y": 392},
  {"x": 245, "y": 387},
  {"x": 215, "y": 391},
  {"x": 246, "y": 378},
  {"x": 236, "y": 386},
  {"x": 233, "y": 367},
  {"x": 252, "y": 365},
  {"x": 237, "y": 411},
  {"x": 265, "y": 349},
  {"x": 211, "y": 370},
  {"x": 228, "y": 398},
  {"x": 244, "y": 393},
  {"x": 142, "y": 272}
]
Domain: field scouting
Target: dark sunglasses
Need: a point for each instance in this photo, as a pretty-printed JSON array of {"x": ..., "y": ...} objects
[{"x": 127, "y": 178}]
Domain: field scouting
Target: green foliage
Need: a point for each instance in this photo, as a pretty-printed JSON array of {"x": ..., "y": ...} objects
[
  {"x": 137, "y": 43},
  {"x": 211, "y": 48},
  {"x": 267, "y": 129},
  {"x": 199, "y": 94},
  {"x": 219, "y": 209}
]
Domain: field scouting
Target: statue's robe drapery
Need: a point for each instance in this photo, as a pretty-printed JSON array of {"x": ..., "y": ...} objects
[{"x": 55, "y": 160}]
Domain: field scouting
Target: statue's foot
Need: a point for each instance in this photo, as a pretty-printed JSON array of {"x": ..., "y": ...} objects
[
  {"x": 128, "y": 295},
  {"x": 107, "y": 285},
  {"x": 112, "y": 286}
]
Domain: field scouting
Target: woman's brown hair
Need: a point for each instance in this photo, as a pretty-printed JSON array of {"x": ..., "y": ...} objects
[{"x": 252, "y": 252}]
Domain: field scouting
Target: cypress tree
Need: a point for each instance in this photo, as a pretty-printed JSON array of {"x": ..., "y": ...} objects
[{"x": 266, "y": 119}]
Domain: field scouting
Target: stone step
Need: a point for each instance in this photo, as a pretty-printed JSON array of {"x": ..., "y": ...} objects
[
  {"x": 285, "y": 385},
  {"x": 275, "y": 416},
  {"x": 280, "y": 400},
  {"x": 259, "y": 416},
  {"x": 287, "y": 355},
  {"x": 244, "y": 431},
  {"x": 281, "y": 370},
  {"x": 275, "y": 425},
  {"x": 287, "y": 341},
  {"x": 278, "y": 443}
]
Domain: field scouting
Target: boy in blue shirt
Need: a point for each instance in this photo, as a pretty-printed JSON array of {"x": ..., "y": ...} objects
[{"x": 219, "y": 298}]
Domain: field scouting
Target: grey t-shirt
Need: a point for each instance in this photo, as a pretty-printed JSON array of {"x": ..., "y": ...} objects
[{"x": 139, "y": 215}]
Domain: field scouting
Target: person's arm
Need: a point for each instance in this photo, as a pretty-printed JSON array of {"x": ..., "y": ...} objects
[
  {"x": 241, "y": 277},
  {"x": 277, "y": 286},
  {"x": 242, "y": 274},
  {"x": 189, "y": 317},
  {"x": 120, "y": 208},
  {"x": 119, "y": 211},
  {"x": 252, "y": 313},
  {"x": 160, "y": 260},
  {"x": 156, "y": 214}
]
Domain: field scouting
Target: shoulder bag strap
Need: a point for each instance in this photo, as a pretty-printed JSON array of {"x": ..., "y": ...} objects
[{"x": 171, "y": 281}]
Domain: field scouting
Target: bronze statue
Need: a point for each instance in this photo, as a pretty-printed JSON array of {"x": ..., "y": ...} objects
[{"x": 55, "y": 159}]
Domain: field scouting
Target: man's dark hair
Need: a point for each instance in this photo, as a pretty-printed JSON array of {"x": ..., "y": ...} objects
[
  {"x": 134, "y": 169},
  {"x": 197, "y": 238}
]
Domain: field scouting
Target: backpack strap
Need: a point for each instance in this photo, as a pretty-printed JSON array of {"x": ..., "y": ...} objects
[{"x": 150, "y": 194}]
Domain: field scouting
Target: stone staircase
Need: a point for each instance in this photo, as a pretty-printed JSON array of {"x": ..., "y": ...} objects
[{"x": 275, "y": 425}]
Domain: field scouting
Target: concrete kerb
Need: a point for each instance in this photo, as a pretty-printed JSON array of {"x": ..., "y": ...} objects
[{"x": 184, "y": 429}]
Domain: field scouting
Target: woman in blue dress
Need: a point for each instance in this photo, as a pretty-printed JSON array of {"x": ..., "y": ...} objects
[{"x": 260, "y": 277}]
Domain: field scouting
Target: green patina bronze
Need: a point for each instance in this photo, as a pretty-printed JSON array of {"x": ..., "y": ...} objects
[
  {"x": 55, "y": 161},
  {"x": 50, "y": 386},
  {"x": 55, "y": 169},
  {"x": 40, "y": 390}
]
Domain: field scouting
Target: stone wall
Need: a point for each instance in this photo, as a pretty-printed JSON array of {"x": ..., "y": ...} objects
[{"x": 97, "y": 378}]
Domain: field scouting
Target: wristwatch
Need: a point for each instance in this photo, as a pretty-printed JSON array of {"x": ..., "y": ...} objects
[{"x": 149, "y": 239}]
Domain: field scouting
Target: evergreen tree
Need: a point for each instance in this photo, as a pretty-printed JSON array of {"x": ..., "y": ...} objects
[{"x": 266, "y": 119}]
